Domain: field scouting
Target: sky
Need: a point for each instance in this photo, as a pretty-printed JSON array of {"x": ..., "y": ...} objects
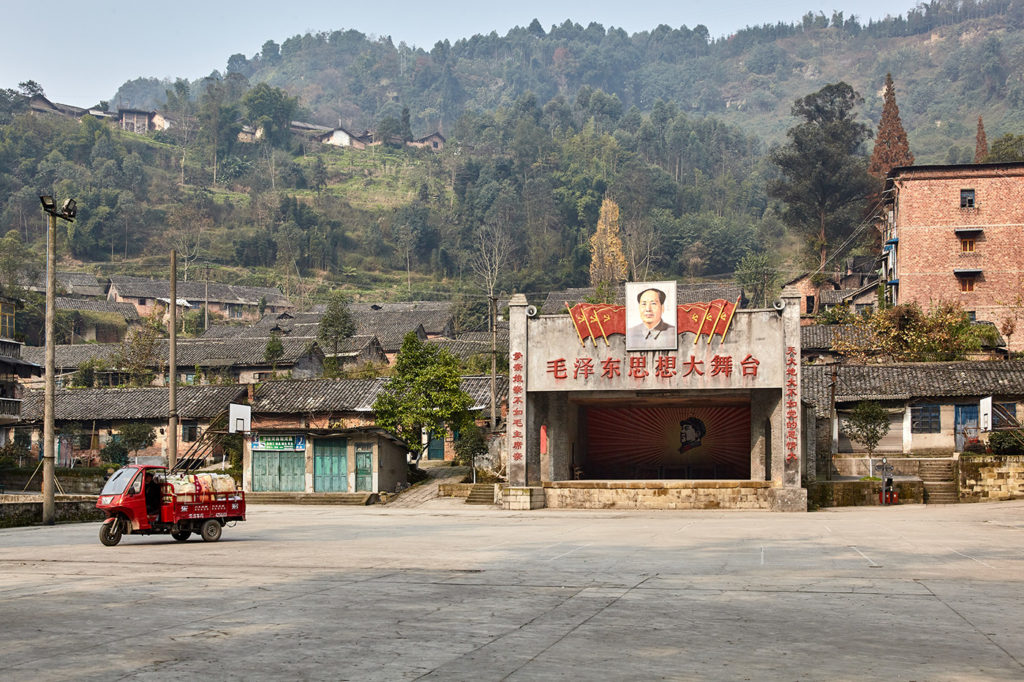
[{"x": 82, "y": 52}]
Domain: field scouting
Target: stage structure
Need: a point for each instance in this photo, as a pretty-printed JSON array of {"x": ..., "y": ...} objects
[{"x": 657, "y": 405}]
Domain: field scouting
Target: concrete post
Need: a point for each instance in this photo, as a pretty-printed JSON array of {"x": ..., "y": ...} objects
[{"x": 516, "y": 425}]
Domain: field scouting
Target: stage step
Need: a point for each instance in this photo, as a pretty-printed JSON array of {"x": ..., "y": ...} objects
[{"x": 482, "y": 493}]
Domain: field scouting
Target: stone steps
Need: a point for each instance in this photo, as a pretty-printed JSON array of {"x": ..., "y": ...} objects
[
  {"x": 358, "y": 499},
  {"x": 482, "y": 493},
  {"x": 940, "y": 493}
]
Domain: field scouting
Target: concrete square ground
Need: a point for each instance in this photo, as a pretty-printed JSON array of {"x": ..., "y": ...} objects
[{"x": 450, "y": 592}]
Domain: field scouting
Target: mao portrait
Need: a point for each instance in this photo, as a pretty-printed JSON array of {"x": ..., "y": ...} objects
[{"x": 651, "y": 316}]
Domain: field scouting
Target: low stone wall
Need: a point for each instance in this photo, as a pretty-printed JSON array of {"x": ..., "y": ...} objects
[
  {"x": 522, "y": 498},
  {"x": 858, "y": 464},
  {"x": 991, "y": 477},
  {"x": 662, "y": 495},
  {"x": 72, "y": 481},
  {"x": 27, "y": 510},
  {"x": 454, "y": 489},
  {"x": 861, "y": 493}
]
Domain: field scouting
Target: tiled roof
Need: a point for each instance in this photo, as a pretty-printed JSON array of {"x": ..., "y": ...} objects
[
  {"x": 139, "y": 287},
  {"x": 125, "y": 310},
  {"x": 193, "y": 402},
  {"x": 685, "y": 293},
  {"x": 824, "y": 336},
  {"x": 485, "y": 337},
  {"x": 316, "y": 395},
  {"x": 74, "y": 283},
  {"x": 190, "y": 352},
  {"x": 463, "y": 349},
  {"x": 837, "y": 296},
  {"x": 390, "y": 328},
  {"x": 435, "y": 316},
  {"x": 350, "y": 395},
  {"x": 917, "y": 380}
]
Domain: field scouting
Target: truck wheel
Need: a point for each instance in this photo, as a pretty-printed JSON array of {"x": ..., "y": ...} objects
[
  {"x": 110, "y": 532},
  {"x": 210, "y": 530},
  {"x": 181, "y": 535}
]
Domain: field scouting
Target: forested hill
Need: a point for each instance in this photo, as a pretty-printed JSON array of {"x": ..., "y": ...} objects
[{"x": 952, "y": 61}]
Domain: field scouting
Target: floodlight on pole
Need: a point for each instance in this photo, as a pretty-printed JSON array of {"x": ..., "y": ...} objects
[{"x": 67, "y": 212}]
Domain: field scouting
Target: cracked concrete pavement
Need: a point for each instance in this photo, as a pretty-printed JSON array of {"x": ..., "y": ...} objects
[{"x": 445, "y": 591}]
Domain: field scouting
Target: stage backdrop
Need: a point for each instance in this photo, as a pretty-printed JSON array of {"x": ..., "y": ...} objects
[{"x": 667, "y": 442}]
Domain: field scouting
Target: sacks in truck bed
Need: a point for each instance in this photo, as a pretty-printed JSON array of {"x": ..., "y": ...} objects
[{"x": 223, "y": 483}]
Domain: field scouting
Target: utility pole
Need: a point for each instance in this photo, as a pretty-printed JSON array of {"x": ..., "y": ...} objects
[
  {"x": 206, "y": 304},
  {"x": 492, "y": 304},
  {"x": 172, "y": 423},
  {"x": 66, "y": 212}
]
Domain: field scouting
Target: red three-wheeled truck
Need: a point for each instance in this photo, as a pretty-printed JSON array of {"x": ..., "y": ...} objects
[{"x": 147, "y": 500}]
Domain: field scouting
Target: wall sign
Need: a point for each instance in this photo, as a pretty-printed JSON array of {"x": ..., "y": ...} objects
[{"x": 277, "y": 442}]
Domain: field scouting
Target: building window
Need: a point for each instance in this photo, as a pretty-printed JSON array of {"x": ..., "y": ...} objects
[
  {"x": 924, "y": 418},
  {"x": 7, "y": 320},
  {"x": 234, "y": 310},
  {"x": 972, "y": 316},
  {"x": 967, "y": 245},
  {"x": 810, "y": 305},
  {"x": 1004, "y": 415},
  {"x": 966, "y": 284},
  {"x": 967, "y": 198},
  {"x": 189, "y": 432},
  {"x": 142, "y": 301}
]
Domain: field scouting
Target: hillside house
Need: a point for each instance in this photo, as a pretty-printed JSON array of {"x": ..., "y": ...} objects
[
  {"x": 13, "y": 368},
  {"x": 87, "y": 419},
  {"x": 98, "y": 321},
  {"x": 339, "y": 137},
  {"x": 953, "y": 233},
  {"x": 434, "y": 142},
  {"x": 230, "y": 301}
]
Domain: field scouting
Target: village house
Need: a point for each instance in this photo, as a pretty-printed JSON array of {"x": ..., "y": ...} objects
[
  {"x": 434, "y": 141},
  {"x": 13, "y": 367},
  {"x": 98, "y": 321},
  {"x": 854, "y": 284},
  {"x": 937, "y": 411},
  {"x": 339, "y": 137},
  {"x": 230, "y": 301},
  {"x": 72, "y": 284},
  {"x": 953, "y": 233},
  {"x": 321, "y": 436},
  {"x": 200, "y": 361},
  {"x": 87, "y": 419}
]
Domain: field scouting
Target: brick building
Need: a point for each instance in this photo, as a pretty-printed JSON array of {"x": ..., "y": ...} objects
[{"x": 953, "y": 233}]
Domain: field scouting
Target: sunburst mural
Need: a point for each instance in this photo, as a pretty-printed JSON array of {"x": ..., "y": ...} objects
[{"x": 668, "y": 442}]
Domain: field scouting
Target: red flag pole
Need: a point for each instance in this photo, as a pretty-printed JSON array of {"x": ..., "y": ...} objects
[
  {"x": 700, "y": 327},
  {"x": 731, "y": 315},
  {"x": 574, "y": 325}
]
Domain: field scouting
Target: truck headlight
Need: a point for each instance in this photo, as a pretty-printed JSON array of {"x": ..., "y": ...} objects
[{"x": 106, "y": 499}]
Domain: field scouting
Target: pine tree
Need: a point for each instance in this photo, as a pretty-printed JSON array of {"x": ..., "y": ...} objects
[
  {"x": 891, "y": 147},
  {"x": 980, "y": 143},
  {"x": 607, "y": 263}
]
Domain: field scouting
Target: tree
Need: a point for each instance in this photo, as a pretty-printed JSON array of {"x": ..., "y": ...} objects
[
  {"x": 424, "y": 394},
  {"x": 980, "y": 143},
  {"x": 273, "y": 351},
  {"x": 219, "y": 118},
  {"x": 319, "y": 175},
  {"x": 607, "y": 263},
  {"x": 906, "y": 333},
  {"x": 758, "y": 274},
  {"x": 1007, "y": 149},
  {"x": 181, "y": 106},
  {"x": 137, "y": 435},
  {"x": 270, "y": 110},
  {"x": 824, "y": 181},
  {"x": 891, "y": 147},
  {"x": 335, "y": 326},
  {"x": 137, "y": 354},
  {"x": 867, "y": 424}
]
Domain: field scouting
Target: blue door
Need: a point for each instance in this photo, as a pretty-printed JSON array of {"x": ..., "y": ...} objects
[
  {"x": 966, "y": 425},
  {"x": 364, "y": 467}
]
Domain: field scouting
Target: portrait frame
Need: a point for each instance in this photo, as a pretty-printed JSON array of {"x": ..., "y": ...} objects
[{"x": 639, "y": 335}]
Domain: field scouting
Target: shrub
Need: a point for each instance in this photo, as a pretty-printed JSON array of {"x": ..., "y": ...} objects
[
  {"x": 114, "y": 452},
  {"x": 1007, "y": 442},
  {"x": 471, "y": 444}
]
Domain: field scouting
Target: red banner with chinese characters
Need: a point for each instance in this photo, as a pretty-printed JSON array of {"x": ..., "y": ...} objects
[{"x": 601, "y": 320}]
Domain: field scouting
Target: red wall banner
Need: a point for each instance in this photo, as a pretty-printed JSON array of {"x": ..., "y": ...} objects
[{"x": 667, "y": 442}]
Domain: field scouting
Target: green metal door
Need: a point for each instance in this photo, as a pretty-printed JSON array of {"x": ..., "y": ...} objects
[
  {"x": 435, "y": 448},
  {"x": 293, "y": 472},
  {"x": 330, "y": 465},
  {"x": 364, "y": 467},
  {"x": 266, "y": 475}
]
